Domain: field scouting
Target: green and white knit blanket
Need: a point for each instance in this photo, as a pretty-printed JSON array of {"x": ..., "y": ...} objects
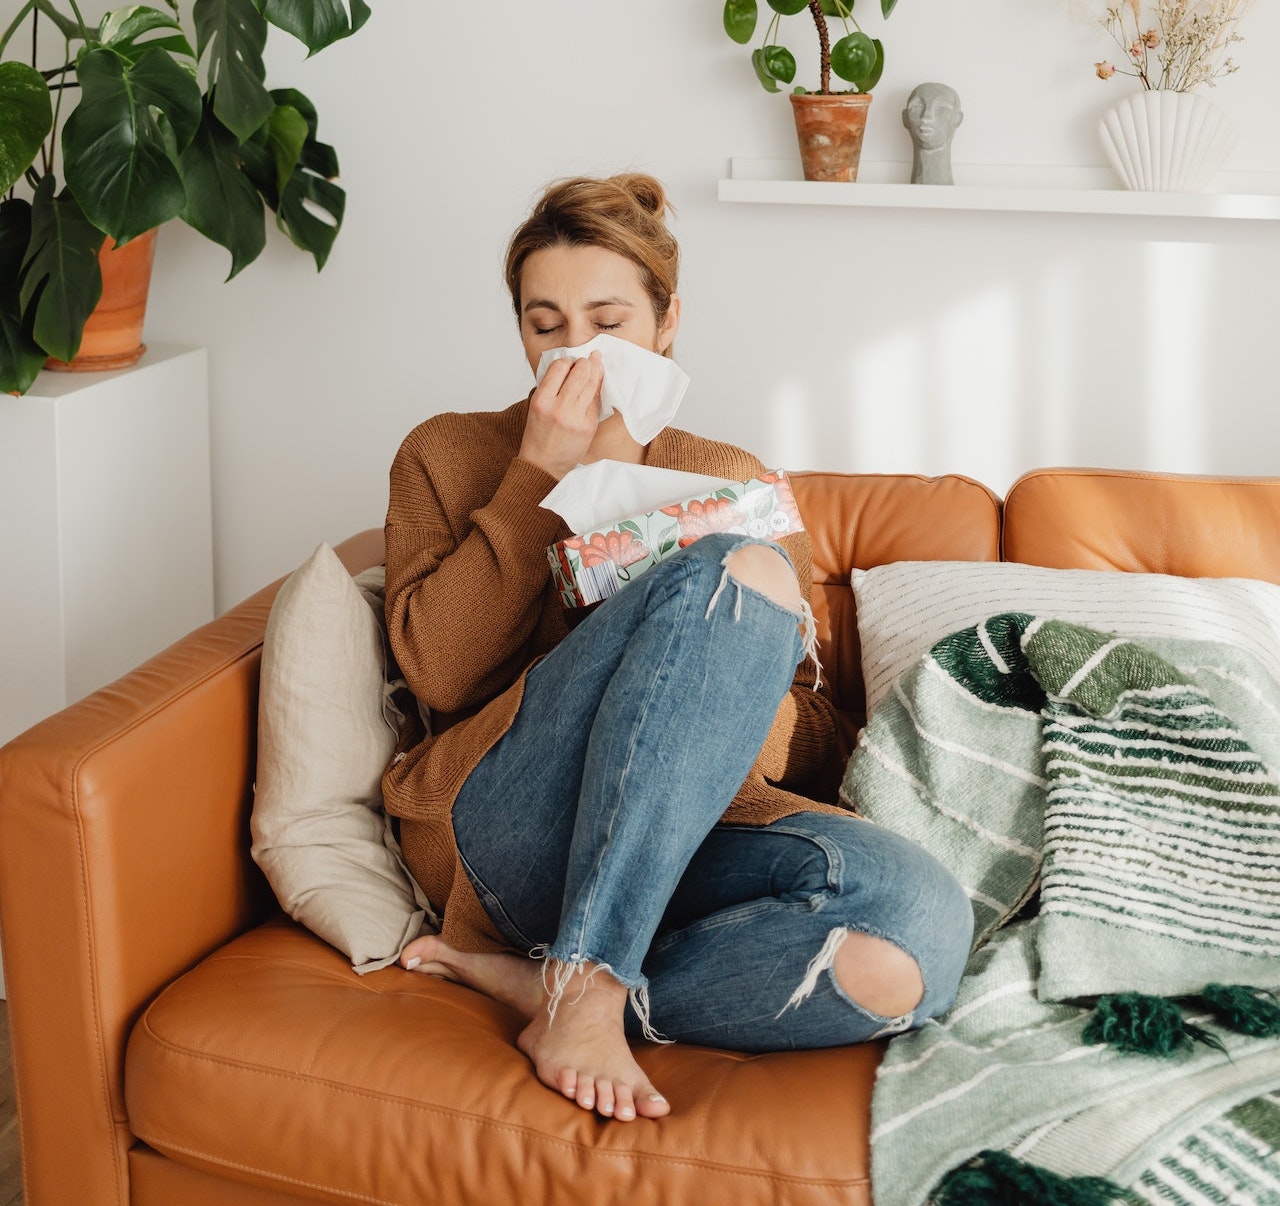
[
  {"x": 1162, "y": 829},
  {"x": 1136, "y": 788},
  {"x": 1006, "y": 1071},
  {"x": 1235, "y": 1159}
]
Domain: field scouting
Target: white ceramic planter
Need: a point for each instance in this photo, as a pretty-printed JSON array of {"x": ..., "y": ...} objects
[{"x": 1166, "y": 141}]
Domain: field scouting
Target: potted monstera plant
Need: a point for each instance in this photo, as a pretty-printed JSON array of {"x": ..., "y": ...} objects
[
  {"x": 830, "y": 123},
  {"x": 108, "y": 131}
]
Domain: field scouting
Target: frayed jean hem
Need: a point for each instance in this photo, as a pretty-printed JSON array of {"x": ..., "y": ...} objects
[{"x": 558, "y": 973}]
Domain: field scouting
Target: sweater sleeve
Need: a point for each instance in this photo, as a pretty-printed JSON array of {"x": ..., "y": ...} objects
[{"x": 466, "y": 576}]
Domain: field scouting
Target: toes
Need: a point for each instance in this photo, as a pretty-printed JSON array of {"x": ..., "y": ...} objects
[
  {"x": 605, "y": 1097},
  {"x": 567, "y": 1082},
  {"x": 585, "y": 1095},
  {"x": 624, "y": 1108},
  {"x": 414, "y": 953},
  {"x": 651, "y": 1104}
]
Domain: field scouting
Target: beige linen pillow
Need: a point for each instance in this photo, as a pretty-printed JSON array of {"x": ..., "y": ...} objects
[
  {"x": 326, "y": 731},
  {"x": 905, "y": 607}
]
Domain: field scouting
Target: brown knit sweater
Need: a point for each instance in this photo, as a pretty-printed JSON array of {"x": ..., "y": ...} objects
[{"x": 471, "y": 606}]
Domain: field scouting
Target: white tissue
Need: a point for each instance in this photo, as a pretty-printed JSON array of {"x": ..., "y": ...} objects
[
  {"x": 644, "y": 388},
  {"x": 596, "y": 495}
]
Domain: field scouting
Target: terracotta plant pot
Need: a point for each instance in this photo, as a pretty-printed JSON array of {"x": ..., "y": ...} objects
[
  {"x": 830, "y": 129},
  {"x": 113, "y": 332}
]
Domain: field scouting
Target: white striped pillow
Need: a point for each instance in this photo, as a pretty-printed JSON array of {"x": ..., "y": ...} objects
[{"x": 905, "y": 607}]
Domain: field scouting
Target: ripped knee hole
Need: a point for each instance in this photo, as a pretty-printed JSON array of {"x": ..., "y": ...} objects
[{"x": 766, "y": 570}]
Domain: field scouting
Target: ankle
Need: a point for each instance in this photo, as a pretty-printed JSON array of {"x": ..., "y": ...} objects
[{"x": 583, "y": 986}]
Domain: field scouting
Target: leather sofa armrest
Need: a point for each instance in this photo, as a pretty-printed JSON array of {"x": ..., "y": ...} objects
[{"x": 124, "y": 860}]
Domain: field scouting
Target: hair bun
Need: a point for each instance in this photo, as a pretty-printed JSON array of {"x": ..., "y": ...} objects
[
  {"x": 645, "y": 190},
  {"x": 625, "y": 214}
]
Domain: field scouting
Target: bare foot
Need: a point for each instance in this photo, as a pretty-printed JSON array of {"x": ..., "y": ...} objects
[
  {"x": 512, "y": 979},
  {"x": 583, "y": 1053}
]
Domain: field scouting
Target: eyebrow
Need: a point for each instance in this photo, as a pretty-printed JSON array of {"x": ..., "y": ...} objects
[{"x": 542, "y": 303}]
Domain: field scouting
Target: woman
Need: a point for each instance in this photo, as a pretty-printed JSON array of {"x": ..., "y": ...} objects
[{"x": 618, "y": 792}]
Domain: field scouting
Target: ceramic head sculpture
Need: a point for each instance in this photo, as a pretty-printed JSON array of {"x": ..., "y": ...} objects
[{"x": 932, "y": 115}]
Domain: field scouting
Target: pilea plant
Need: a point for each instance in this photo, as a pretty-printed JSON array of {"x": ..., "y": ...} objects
[
  {"x": 149, "y": 128},
  {"x": 855, "y": 58}
]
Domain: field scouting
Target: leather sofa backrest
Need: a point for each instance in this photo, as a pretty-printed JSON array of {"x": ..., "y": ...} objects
[
  {"x": 1158, "y": 523},
  {"x": 856, "y": 521}
]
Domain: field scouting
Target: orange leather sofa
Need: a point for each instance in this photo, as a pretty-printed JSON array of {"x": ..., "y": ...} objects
[{"x": 177, "y": 1041}]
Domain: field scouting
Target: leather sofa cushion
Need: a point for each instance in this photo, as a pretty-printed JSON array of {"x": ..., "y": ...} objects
[{"x": 273, "y": 1063}]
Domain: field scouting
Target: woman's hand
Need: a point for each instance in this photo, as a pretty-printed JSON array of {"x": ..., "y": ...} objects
[{"x": 564, "y": 413}]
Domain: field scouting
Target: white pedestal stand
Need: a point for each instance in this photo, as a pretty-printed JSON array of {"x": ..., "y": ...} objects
[{"x": 106, "y": 549}]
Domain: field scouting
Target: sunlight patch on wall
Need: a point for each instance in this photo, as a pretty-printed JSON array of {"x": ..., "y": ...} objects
[
  {"x": 976, "y": 380},
  {"x": 1053, "y": 378},
  {"x": 1177, "y": 389},
  {"x": 793, "y": 430},
  {"x": 889, "y": 427}
]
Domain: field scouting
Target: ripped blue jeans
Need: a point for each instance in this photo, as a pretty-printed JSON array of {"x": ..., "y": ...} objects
[{"x": 592, "y": 831}]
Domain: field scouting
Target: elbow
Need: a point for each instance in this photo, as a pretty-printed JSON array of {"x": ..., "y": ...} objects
[
  {"x": 437, "y": 697},
  {"x": 438, "y": 685}
]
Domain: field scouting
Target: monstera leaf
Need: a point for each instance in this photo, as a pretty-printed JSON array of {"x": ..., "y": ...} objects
[
  {"x": 21, "y": 358},
  {"x": 311, "y": 205},
  {"x": 26, "y": 117},
  {"x": 234, "y": 33},
  {"x": 121, "y": 144},
  {"x": 61, "y": 278},
  {"x": 129, "y": 32},
  {"x": 315, "y": 23},
  {"x": 222, "y": 202}
]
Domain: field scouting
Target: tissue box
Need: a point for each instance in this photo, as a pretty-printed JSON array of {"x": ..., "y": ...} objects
[{"x": 597, "y": 564}]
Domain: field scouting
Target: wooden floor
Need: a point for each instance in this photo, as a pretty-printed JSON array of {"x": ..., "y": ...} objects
[{"x": 10, "y": 1173}]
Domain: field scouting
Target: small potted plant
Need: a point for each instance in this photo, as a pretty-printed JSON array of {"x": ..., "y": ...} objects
[
  {"x": 129, "y": 125},
  {"x": 1168, "y": 137},
  {"x": 829, "y": 124}
]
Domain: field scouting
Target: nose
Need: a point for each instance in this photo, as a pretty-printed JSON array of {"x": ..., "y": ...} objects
[{"x": 577, "y": 331}]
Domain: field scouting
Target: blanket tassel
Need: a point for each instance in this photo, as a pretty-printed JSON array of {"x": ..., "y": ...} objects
[
  {"x": 1251, "y": 1011},
  {"x": 1141, "y": 1025},
  {"x": 997, "y": 1179}
]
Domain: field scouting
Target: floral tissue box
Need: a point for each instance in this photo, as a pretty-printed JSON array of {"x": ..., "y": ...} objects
[{"x": 599, "y": 563}]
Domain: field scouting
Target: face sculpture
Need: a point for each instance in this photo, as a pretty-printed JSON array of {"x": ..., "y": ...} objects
[{"x": 932, "y": 115}]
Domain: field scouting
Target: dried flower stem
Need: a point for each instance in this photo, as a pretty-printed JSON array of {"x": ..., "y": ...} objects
[{"x": 1186, "y": 44}]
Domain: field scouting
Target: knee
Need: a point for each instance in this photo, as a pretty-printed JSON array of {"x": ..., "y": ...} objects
[
  {"x": 877, "y": 975},
  {"x": 767, "y": 571}
]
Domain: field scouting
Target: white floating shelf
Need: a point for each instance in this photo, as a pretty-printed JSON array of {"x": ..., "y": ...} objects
[{"x": 1028, "y": 189}]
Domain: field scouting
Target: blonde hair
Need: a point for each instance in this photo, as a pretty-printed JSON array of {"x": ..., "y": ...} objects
[{"x": 625, "y": 214}]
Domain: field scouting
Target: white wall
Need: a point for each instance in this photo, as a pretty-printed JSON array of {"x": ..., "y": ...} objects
[{"x": 831, "y": 338}]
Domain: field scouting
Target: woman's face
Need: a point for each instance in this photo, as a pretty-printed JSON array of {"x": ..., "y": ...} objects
[{"x": 570, "y": 294}]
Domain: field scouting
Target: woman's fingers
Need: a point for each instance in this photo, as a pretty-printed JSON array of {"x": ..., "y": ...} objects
[
  {"x": 564, "y": 412},
  {"x": 572, "y": 385}
]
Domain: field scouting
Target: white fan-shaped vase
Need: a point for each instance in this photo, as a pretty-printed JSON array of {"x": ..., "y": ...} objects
[{"x": 1166, "y": 141}]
